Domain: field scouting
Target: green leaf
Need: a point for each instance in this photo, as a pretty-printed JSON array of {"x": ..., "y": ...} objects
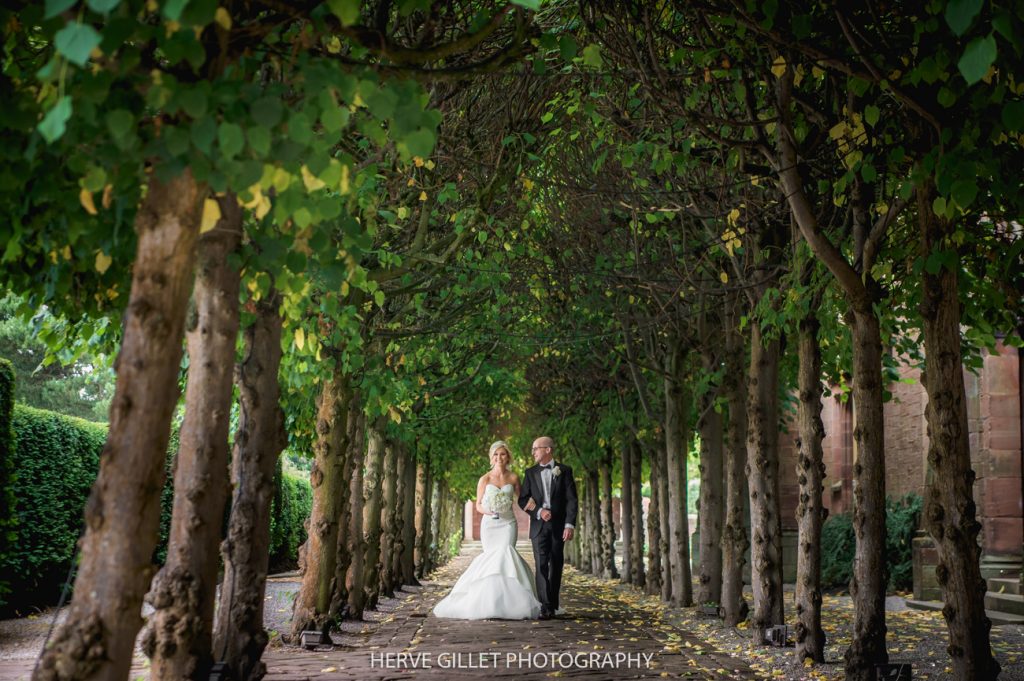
[
  {"x": 194, "y": 103},
  {"x": 55, "y": 7},
  {"x": 978, "y": 57},
  {"x": 204, "y": 131},
  {"x": 174, "y": 8},
  {"x": 871, "y": 115},
  {"x": 567, "y": 47},
  {"x": 231, "y": 140},
  {"x": 267, "y": 111},
  {"x": 334, "y": 118},
  {"x": 592, "y": 56},
  {"x": 54, "y": 124},
  {"x": 102, "y": 6},
  {"x": 120, "y": 123},
  {"x": 420, "y": 143},
  {"x": 528, "y": 4},
  {"x": 1013, "y": 116},
  {"x": 960, "y": 14},
  {"x": 259, "y": 140},
  {"x": 378, "y": 297},
  {"x": 75, "y": 41},
  {"x": 346, "y": 10},
  {"x": 964, "y": 192}
]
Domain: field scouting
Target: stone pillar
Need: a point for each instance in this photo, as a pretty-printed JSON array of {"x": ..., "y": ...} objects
[{"x": 994, "y": 410}]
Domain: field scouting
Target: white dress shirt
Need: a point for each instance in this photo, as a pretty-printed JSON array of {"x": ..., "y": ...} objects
[{"x": 546, "y": 477}]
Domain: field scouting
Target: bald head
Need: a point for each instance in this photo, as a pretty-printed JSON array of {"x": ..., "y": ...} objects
[{"x": 543, "y": 450}]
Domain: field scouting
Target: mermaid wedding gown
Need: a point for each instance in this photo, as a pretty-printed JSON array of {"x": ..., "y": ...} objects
[{"x": 498, "y": 584}]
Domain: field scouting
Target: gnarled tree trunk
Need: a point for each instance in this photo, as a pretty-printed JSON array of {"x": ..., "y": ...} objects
[
  {"x": 711, "y": 509},
  {"x": 607, "y": 519},
  {"x": 355, "y": 430},
  {"x": 810, "y": 512},
  {"x": 949, "y": 507},
  {"x": 409, "y": 510},
  {"x": 423, "y": 494},
  {"x": 239, "y": 637},
  {"x": 123, "y": 511},
  {"x": 654, "y": 568},
  {"x": 179, "y": 635},
  {"x": 637, "y": 544},
  {"x": 390, "y": 517},
  {"x": 376, "y": 450},
  {"x": 677, "y": 410},
  {"x": 763, "y": 483},
  {"x": 734, "y": 535},
  {"x": 357, "y": 543},
  {"x": 327, "y": 478}
]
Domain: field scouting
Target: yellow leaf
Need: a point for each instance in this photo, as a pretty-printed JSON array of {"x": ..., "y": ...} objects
[
  {"x": 837, "y": 130},
  {"x": 344, "y": 186},
  {"x": 334, "y": 45},
  {"x": 723, "y": 277},
  {"x": 429, "y": 165},
  {"x": 300, "y": 338},
  {"x": 417, "y": 161},
  {"x": 733, "y": 216},
  {"x": 211, "y": 213},
  {"x": 222, "y": 18},
  {"x": 311, "y": 181},
  {"x": 403, "y": 212},
  {"x": 103, "y": 262},
  {"x": 395, "y": 415},
  {"x": 108, "y": 195},
  {"x": 66, "y": 252},
  {"x": 423, "y": 196},
  {"x": 85, "y": 198},
  {"x": 779, "y": 66},
  {"x": 528, "y": 183},
  {"x": 328, "y": 670}
]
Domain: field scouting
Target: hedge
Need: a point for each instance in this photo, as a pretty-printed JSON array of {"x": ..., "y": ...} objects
[
  {"x": 8, "y": 528},
  {"x": 55, "y": 459},
  {"x": 902, "y": 517}
]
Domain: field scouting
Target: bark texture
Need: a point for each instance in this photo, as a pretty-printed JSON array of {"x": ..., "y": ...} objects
[
  {"x": 179, "y": 636},
  {"x": 327, "y": 478},
  {"x": 810, "y": 512},
  {"x": 373, "y": 494},
  {"x": 409, "y": 508},
  {"x": 654, "y": 568},
  {"x": 239, "y": 637},
  {"x": 356, "y": 443},
  {"x": 607, "y": 519},
  {"x": 664, "y": 513},
  {"x": 422, "y": 521},
  {"x": 123, "y": 510},
  {"x": 763, "y": 484},
  {"x": 949, "y": 513},
  {"x": 735, "y": 539},
  {"x": 356, "y": 544},
  {"x": 711, "y": 509},
  {"x": 389, "y": 519},
  {"x": 628, "y": 575},
  {"x": 637, "y": 546},
  {"x": 677, "y": 409}
]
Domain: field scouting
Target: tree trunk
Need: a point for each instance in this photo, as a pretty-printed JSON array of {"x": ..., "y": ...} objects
[
  {"x": 677, "y": 410},
  {"x": 664, "y": 512},
  {"x": 423, "y": 494},
  {"x": 628, "y": 571},
  {"x": 595, "y": 533},
  {"x": 389, "y": 519},
  {"x": 654, "y": 568},
  {"x": 372, "y": 502},
  {"x": 810, "y": 512},
  {"x": 327, "y": 478},
  {"x": 355, "y": 435},
  {"x": 122, "y": 514},
  {"x": 763, "y": 484},
  {"x": 179, "y": 635},
  {"x": 410, "y": 508},
  {"x": 637, "y": 544},
  {"x": 357, "y": 542},
  {"x": 734, "y": 536},
  {"x": 711, "y": 511},
  {"x": 434, "y": 555},
  {"x": 870, "y": 572},
  {"x": 609, "y": 569},
  {"x": 239, "y": 637},
  {"x": 949, "y": 507}
]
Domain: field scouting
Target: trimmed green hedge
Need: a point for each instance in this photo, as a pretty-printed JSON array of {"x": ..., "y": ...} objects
[
  {"x": 8, "y": 528},
  {"x": 837, "y": 544},
  {"x": 55, "y": 460},
  {"x": 292, "y": 503}
]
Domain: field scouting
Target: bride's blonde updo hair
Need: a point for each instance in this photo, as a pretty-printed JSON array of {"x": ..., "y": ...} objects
[{"x": 495, "y": 446}]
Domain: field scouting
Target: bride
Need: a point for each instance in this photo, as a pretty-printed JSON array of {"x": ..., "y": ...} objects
[{"x": 498, "y": 583}]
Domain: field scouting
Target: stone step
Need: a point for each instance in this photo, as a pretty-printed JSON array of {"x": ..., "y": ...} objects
[
  {"x": 1004, "y": 585},
  {"x": 995, "y": 616},
  {"x": 1009, "y": 603}
]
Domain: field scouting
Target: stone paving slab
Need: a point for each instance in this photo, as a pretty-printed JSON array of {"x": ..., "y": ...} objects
[{"x": 606, "y": 634}]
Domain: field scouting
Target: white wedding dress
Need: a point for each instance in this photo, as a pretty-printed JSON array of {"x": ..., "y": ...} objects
[{"x": 498, "y": 584}]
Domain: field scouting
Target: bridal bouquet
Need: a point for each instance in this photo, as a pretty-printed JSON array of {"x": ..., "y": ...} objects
[{"x": 498, "y": 501}]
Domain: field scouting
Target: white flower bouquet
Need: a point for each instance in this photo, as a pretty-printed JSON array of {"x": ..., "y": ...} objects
[{"x": 498, "y": 501}]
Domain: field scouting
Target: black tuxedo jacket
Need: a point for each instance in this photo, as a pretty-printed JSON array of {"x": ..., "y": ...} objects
[{"x": 564, "y": 503}]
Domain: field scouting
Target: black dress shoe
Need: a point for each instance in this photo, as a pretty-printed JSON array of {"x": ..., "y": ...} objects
[{"x": 544, "y": 615}]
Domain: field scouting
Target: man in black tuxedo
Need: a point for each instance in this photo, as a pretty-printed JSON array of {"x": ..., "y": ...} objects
[{"x": 548, "y": 494}]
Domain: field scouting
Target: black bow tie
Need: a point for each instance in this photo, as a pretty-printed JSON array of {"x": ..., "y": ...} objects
[{"x": 549, "y": 466}]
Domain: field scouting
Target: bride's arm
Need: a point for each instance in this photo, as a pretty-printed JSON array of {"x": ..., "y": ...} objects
[{"x": 480, "y": 487}]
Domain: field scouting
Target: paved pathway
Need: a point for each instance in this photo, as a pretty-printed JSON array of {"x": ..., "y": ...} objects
[{"x": 608, "y": 632}]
